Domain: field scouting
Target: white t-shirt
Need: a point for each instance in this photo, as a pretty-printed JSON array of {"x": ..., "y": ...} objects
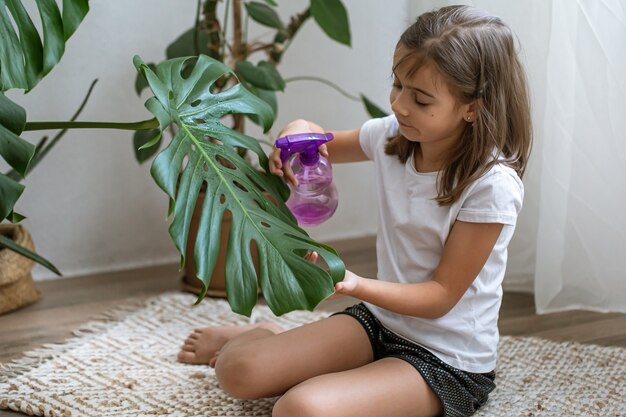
[{"x": 412, "y": 232}]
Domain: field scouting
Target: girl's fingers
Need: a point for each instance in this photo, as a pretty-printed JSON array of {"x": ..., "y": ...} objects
[
  {"x": 275, "y": 163},
  {"x": 288, "y": 174},
  {"x": 311, "y": 257},
  {"x": 323, "y": 150}
]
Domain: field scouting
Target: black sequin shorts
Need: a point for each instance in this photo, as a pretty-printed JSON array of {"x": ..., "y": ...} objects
[{"x": 461, "y": 393}]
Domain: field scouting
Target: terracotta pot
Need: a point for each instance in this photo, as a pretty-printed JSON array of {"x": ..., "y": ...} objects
[
  {"x": 217, "y": 286},
  {"x": 17, "y": 288}
]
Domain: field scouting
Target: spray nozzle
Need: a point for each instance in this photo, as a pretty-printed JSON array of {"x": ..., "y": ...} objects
[{"x": 305, "y": 144}]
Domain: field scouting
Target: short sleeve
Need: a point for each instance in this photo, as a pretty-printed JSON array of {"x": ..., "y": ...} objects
[
  {"x": 495, "y": 198},
  {"x": 374, "y": 132}
]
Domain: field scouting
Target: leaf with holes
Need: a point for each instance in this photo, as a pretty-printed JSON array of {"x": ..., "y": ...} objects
[{"x": 204, "y": 151}]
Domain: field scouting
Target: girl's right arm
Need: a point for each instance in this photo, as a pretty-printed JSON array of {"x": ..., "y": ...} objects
[{"x": 345, "y": 147}]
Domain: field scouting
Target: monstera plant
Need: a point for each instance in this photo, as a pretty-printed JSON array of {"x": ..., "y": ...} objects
[{"x": 202, "y": 151}]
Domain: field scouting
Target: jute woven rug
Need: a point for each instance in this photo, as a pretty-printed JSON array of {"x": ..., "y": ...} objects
[{"x": 126, "y": 365}]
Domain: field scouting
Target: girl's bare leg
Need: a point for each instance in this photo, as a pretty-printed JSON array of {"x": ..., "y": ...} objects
[
  {"x": 259, "y": 363},
  {"x": 389, "y": 387}
]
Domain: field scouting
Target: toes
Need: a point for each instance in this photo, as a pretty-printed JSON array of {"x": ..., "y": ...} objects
[
  {"x": 186, "y": 357},
  {"x": 187, "y": 347}
]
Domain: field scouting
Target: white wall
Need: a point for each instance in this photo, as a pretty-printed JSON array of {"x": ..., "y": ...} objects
[{"x": 92, "y": 208}]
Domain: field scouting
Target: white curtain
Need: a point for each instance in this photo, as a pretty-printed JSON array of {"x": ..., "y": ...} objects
[
  {"x": 570, "y": 243},
  {"x": 581, "y": 239}
]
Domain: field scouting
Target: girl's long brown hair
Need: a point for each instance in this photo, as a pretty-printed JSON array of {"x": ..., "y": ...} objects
[{"x": 475, "y": 53}]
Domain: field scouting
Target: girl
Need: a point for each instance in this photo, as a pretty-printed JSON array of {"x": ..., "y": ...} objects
[{"x": 448, "y": 163}]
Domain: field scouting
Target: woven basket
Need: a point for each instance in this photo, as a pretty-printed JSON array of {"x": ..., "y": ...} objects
[{"x": 17, "y": 288}]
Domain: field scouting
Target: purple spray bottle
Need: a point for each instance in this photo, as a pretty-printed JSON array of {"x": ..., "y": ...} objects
[{"x": 314, "y": 200}]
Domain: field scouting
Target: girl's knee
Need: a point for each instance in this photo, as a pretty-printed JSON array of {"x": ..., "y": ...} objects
[
  {"x": 240, "y": 374},
  {"x": 302, "y": 402}
]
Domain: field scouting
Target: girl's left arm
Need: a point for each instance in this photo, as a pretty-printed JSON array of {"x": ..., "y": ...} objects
[{"x": 467, "y": 249}]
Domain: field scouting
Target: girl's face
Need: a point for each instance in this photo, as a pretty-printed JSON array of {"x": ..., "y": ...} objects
[{"x": 424, "y": 106}]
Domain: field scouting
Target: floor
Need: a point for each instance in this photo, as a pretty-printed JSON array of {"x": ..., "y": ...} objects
[{"x": 68, "y": 303}]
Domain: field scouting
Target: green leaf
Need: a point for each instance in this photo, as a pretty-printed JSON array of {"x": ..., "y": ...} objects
[
  {"x": 9, "y": 243},
  {"x": 12, "y": 69},
  {"x": 12, "y": 115},
  {"x": 25, "y": 59},
  {"x": 15, "y": 150},
  {"x": 10, "y": 191},
  {"x": 143, "y": 144},
  {"x": 271, "y": 3},
  {"x": 204, "y": 151},
  {"x": 264, "y": 14},
  {"x": 332, "y": 17},
  {"x": 264, "y": 75},
  {"x": 74, "y": 11},
  {"x": 183, "y": 45},
  {"x": 140, "y": 81},
  {"x": 30, "y": 43},
  {"x": 15, "y": 218},
  {"x": 372, "y": 109},
  {"x": 53, "y": 33},
  {"x": 267, "y": 96}
]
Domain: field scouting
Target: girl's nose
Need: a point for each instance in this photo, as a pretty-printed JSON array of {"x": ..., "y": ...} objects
[{"x": 398, "y": 107}]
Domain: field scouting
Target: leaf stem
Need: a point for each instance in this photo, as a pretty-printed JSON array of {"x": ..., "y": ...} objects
[
  {"x": 141, "y": 125},
  {"x": 323, "y": 81}
]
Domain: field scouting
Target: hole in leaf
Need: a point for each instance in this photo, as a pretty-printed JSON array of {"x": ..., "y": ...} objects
[
  {"x": 222, "y": 199},
  {"x": 322, "y": 263},
  {"x": 256, "y": 184},
  {"x": 213, "y": 140},
  {"x": 303, "y": 254},
  {"x": 187, "y": 67},
  {"x": 195, "y": 103},
  {"x": 220, "y": 84},
  {"x": 199, "y": 121},
  {"x": 184, "y": 163},
  {"x": 171, "y": 95},
  {"x": 205, "y": 167},
  {"x": 254, "y": 252},
  {"x": 257, "y": 203},
  {"x": 266, "y": 224},
  {"x": 225, "y": 162},
  {"x": 240, "y": 186}
]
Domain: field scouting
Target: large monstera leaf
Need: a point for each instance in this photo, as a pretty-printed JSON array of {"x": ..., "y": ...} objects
[{"x": 204, "y": 151}]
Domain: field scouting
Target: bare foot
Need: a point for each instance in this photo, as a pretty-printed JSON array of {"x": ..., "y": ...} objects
[{"x": 204, "y": 344}]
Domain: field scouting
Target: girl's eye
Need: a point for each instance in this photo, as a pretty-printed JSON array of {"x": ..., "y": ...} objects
[{"x": 419, "y": 103}]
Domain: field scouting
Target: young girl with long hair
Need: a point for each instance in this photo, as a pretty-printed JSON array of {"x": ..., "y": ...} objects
[{"x": 448, "y": 163}]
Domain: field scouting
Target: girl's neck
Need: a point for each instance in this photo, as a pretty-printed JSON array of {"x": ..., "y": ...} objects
[{"x": 427, "y": 160}]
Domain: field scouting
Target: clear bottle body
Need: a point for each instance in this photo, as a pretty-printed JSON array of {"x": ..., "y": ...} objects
[{"x": 315, "y": 199}]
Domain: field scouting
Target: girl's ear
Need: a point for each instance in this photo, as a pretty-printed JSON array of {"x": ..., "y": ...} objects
[{"x": 470, "y": 111}]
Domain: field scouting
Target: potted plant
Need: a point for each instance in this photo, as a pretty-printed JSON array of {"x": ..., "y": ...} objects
[
  {"x": 189, "y": 95},
  {"x": 262, "y": 77}
]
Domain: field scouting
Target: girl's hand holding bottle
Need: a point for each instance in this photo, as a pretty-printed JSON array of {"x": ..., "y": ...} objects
[{"x": 295, "y": 127}]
